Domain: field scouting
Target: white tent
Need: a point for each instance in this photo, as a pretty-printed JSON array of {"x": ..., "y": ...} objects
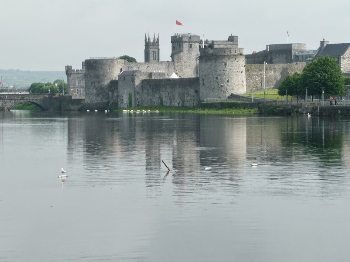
[{"x": 174, "y": 75}]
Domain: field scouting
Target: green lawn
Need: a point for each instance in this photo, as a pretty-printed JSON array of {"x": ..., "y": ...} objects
[{"x": 271, "y": 94}]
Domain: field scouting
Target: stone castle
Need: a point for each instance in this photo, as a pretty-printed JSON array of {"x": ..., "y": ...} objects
[{"x": 199, "y": 70}]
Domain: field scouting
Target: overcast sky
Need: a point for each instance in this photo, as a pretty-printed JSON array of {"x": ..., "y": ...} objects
[{"x": 49, "y": 34}]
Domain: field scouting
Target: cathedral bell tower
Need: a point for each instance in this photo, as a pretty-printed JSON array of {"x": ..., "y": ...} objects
[{"x": 151, "y": 49}]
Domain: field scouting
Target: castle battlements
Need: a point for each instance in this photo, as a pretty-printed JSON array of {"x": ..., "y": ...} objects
[
  {"x": 222, "y": 47},
  {"x": 209, "y": 51},
  {"x": 69, "y": 70},
  {"x": 190, "y": 38}
]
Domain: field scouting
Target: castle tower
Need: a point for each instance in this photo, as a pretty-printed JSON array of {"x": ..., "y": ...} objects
[
  {"x": 221, "y": 69},
  {"x": 151, "y": 49},
  {"x": 76, "y": 81},
  {"x": 185, "y": 53}
]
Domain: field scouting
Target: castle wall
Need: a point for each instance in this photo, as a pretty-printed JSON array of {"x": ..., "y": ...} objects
[
  {"x": 128, "y": 80},
  {"x": 221, "y": 74},
  {"x": 129, "y": 84},
  {"x": 180, "y": 92},
  {"x": 275, "y": 73},
  {"x": 98, "y": 74},
  {"x": 166, "y": 67}
]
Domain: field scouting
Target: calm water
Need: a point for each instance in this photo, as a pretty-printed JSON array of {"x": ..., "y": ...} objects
[{"x": 119, "y": 204}]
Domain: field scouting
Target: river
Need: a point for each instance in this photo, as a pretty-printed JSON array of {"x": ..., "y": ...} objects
[{"x": 119, "y": 203}]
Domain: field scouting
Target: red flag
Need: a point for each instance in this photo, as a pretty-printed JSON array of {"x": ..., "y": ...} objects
[{"x": 178, "y": 23}]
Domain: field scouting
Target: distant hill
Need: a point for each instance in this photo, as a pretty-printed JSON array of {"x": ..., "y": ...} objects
[{"x": 23, "y": 79}]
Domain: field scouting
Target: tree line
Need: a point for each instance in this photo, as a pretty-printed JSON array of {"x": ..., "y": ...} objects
[
  {"x": 56, "y": 87},
  {"x": 322, "y": 75}
]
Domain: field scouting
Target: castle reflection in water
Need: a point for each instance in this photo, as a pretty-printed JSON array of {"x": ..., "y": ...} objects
[{"x": 189, "y": 143}]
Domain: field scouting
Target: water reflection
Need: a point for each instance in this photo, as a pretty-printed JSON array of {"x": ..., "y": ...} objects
[
  {"x": 118, "y": 203},
  {"x": 112, "y": 148}
]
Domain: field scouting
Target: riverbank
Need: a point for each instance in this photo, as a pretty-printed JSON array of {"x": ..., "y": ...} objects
[
  {"x": 202, "y": 110},
  {"x": 312, "y": 109},
  {"x": 221, "y": 108}
]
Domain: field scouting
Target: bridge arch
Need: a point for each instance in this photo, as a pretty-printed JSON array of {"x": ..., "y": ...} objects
[
  {"x": 38, "y": 105},
  {"x": 9, "y": 101}
]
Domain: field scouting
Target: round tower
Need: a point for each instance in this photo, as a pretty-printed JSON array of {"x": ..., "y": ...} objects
[
  {"x": 221, "y": 69},
  {"x": 185, "y": 53},
  {"x": 98, "y": 74}
]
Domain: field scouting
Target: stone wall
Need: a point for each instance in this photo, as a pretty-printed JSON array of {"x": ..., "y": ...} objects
[
  {"x": 221, "y": 74},
  {"x": 98, "y": 74},
  {"x": 76, "y": 82},
  {"x": 274, "y": 73},
  {"x": 166, "y": 67},
  {"x": 345, "y": 62},
  {"x": 181, "y": 92},
  {"x": 185, "y": 53},
  {"x": 128, "y": 85}
]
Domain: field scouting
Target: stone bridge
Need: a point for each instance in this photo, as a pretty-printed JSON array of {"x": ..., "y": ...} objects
[
  {"x": 9, "y": 101},
  {"x": 46, "y": 102}
]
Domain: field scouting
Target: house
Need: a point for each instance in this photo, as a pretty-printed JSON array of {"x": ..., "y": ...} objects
[{"x": 341, "y": 52}]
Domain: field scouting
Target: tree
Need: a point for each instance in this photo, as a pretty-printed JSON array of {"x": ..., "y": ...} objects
[
  {"x": 44, "y": 88},
  {"x": 292, "y": 85},
  {"x": 62, "y": 87},
  {"x": 323, "y": 74},
  {"x": 128, "y": 58}
]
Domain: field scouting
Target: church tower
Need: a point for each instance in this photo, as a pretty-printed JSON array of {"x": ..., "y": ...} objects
[{"x": 151, "y": 49}]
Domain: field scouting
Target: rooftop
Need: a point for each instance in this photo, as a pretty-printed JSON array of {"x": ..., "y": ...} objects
[{"x": 334, "y": 50}]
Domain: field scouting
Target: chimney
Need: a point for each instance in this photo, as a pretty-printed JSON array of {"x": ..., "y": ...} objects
[{"x": 323, "y": 43}]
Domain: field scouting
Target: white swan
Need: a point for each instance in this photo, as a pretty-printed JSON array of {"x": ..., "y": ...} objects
[
  {"x": 308, "y": 115},
  {"x": 88, "y": 110},
  {"x": 254, "y": 164},
  {"x": 207, "y": 168}
]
